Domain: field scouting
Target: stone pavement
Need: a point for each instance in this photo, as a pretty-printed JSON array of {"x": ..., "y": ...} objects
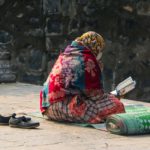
[{"x": 16, "y": 97}]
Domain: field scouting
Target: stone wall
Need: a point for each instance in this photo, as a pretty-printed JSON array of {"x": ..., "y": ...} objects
[
  {"x": 6, "y": 73},
  {"x": 40, "y": 29}
]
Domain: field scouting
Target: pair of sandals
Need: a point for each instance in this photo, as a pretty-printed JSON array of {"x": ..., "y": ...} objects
[{"x": 18, "y": 122}]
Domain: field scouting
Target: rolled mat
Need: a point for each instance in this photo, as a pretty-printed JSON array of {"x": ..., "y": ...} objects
[{"x": 134, "y": 121}]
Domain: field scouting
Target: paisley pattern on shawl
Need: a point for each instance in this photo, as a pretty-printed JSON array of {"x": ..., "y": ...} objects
[{"x": 76, "y": 72}]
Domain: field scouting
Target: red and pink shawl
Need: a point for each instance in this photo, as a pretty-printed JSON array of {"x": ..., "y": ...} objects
[{"x": 76, "y": 72}]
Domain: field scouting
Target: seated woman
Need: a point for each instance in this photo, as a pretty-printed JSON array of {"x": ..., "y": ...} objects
[{"x": 73, "y": 91}]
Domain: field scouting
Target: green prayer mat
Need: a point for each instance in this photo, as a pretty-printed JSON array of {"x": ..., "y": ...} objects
[
  {"x": 100, "y": 126},
  {"x": 136, "y": 120}
]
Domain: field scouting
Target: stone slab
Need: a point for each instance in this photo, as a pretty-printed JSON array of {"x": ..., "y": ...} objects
[{"x": 52, "y": 135}]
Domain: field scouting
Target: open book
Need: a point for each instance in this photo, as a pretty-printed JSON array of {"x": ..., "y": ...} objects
[{"x": 124, "y": 87}]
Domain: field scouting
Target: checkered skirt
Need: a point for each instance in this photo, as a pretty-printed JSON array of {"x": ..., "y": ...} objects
[{"x": 83, "y": 110}]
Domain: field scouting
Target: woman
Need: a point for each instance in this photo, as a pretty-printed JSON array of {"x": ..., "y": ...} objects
[{"x": 73, "y": 91}]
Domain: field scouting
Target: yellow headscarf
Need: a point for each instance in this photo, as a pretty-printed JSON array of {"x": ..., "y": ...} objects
[{"x": 93, "y": 41}]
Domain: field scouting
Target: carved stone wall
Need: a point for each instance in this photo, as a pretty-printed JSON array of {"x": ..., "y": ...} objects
[
  {"x": 6, "y": 73},
  {"x": 40, "y": 29}
]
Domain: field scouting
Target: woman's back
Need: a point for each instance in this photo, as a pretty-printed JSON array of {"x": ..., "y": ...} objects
[{"x": 73, "y": 91}]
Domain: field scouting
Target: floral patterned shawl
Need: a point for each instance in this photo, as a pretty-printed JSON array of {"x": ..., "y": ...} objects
[{"x": 75, "y": 73}]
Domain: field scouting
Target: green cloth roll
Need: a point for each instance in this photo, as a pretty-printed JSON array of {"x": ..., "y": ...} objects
[{"x": 136, "y": 120}]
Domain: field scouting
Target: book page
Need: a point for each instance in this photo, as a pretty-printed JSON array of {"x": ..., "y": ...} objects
[{"x": 124, "y": 87}]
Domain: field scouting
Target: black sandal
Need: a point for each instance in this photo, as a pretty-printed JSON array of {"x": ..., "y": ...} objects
[
  {"x": 4, "y": 120},
  {"x": 22, "y": 122}
]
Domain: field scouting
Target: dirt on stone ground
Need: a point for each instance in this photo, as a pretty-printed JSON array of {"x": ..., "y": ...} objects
[{"x": 51, "y": 135}]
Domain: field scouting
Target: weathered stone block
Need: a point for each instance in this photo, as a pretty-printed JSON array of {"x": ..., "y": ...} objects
[
  {"x": 143, "y": 8},
  {"x": 53, "y": 27},
  {"x": 51, "y": 6},
  {"x": 32, "y": 78},
  {"x": 5, "y": 38},
  {"x": 36, "y": 60},
  {"x": 5, "y": 64},
  {"x": 7, "y": 77},
  {"x": 4, "y": 55},
  {"x": 35, "y": 32},
  {"x": 2, "y": 2}
]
